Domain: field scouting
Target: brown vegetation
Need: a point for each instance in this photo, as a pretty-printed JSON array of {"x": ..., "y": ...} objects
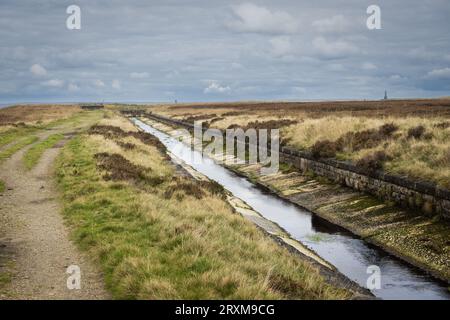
[
  {"x": 115, "y": 133},
  {"x": 373, "y": 161},
  {"x": 354, "y": 141},
  {"x": 185, "y": 186},
  {"x": 391, "y": 108},
  {"x": 20, "y": 115},
  {"x": 126, "y": 145},
  {"x": 324, "y": 149},
  {"x": 269, "y": 125},
  {"x": 119, "y": 168},
  {"x": 200, "y": 117},
  {"x": 442, "y": 125},
  {"x": 419, "y": 132}
]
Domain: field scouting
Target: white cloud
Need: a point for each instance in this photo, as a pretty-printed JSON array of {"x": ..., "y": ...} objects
[
  {"x": 54, "y": 83},
  {"x": 439, "y": 73},
  {"x": 215, "y": 87},
  {"x": 38, "y": 70},
  {"x": 139, "y": 75},
  {"x": 99, "y": 83},
  {"x": 116, "y": 84},
  {"x": 334, "y": 49},
  {"x": 72, "y": 87},
  {"x": 334, "y": 24},
  {"x": 253, "y": 18},
  {"x": 369, "y": 66},
  {"x": 298, "y": 90},
  {"x": 281, "y": 45},
  {"x": 396, "y": 78}
]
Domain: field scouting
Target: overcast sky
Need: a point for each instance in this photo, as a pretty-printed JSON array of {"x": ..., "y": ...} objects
[{"x": 161, "y": 50}]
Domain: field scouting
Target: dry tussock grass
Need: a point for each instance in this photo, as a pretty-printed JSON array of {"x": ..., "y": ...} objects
[
  {"x": 419, "y": 148},
  {"x": 423, "y": 158}
]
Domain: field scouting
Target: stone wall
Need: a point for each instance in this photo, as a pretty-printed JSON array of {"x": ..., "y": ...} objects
[{"x": 423, "y": 196}]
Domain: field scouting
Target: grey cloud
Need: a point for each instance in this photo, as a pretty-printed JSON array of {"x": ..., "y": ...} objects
[
  {"x": 139, "y": 75},
  {"x": 166, "y": 49}
]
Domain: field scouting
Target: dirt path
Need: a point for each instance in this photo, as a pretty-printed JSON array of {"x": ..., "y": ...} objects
[{"x": 34, "y": 243}]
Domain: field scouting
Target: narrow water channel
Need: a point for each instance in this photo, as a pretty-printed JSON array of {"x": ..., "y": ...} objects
[{"x": 349, "y": 254}]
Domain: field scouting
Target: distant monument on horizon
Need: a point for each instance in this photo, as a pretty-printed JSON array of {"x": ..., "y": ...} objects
[{"x": 385, "y": 95}]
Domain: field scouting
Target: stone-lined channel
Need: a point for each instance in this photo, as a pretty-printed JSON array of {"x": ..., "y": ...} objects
[{"x": 349, "y": 254}]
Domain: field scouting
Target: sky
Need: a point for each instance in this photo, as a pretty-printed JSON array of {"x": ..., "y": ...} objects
[{"x": 189, "y": 50}]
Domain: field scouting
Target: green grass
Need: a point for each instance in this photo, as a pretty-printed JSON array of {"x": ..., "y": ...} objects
[
  {"x": 8, "y": 137},
  {"x": 79, "y": 118},
  {"x": 152, "y": 247},
  {"x": 23, "y": 136},
  {"x": 361, "y": 203},
  {"x": 5, "y": 279},
  {"x": 33, "y": 155},
  {"x": 8, "y": 152},
  {"x": 287, "y": 168},
  {"x": 14, "y": 135},
  {"x": 2, "y": 186}
]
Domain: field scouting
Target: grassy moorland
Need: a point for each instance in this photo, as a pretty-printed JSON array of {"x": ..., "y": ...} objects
[
  {"x": 414, "y": 146},
  {"x": 409, "y": 137},
  {"x": 35, "y": 114},
  {"x": 39, "y": 126},
  {"x": 158, "y": 235}
]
